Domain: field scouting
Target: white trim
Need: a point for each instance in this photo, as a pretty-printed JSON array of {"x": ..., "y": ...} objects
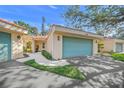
[
  {"x": 11, "y": 46},
  {"x": 61, "y": 47},
  {"x": 114, "y": 47},
  {"x": 123, "y": 47},
  {"x": 95, "y": 47}
]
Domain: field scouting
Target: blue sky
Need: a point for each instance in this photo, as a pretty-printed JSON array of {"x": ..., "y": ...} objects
[{"x": 33, "y": 14}]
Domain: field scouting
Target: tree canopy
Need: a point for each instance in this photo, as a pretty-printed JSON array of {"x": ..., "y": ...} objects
[
  {"x": 104, "y": 20},
  {"x": 31, "y": 29}
]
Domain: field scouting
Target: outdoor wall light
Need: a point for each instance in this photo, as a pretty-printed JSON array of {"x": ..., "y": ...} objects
[
  {"x": 18, "y": 37},
  {"x": 96, "y": 41},
  {"x": 58, "y": 37}
]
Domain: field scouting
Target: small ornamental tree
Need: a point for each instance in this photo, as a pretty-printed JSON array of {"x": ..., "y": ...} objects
[{"x": 100, "y": 46}]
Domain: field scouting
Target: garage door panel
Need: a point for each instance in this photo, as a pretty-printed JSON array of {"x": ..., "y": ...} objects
[
  {"x": 3, "y": 52},
  {"x": 76, "y": 47},
  {"x": 5, "y": 46}
]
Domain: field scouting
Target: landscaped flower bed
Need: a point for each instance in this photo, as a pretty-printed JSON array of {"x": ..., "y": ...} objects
[{"x": 67, "y": 70}]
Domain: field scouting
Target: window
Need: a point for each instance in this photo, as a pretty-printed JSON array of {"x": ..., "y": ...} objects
[
  {"x": 43, "y": 46},
  {"x": 119, "y": 47}
]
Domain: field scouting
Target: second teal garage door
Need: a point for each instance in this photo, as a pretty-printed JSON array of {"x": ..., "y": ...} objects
[
  {"x": 77, "y": 47},
  {"x": 119, "y": 47}
]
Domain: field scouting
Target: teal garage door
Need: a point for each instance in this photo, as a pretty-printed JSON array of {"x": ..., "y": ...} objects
[
  {"x": 77, "y": 47},
  {"x": 5, "y": 46},
  {"x": 119, "y": 47}
]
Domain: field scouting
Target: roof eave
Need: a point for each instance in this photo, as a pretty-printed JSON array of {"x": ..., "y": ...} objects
[
  {"x": 11, "y": 27},
  {"x": 62, "y": 29}
]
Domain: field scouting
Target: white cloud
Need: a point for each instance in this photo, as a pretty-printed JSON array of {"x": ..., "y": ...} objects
[{"x": 52, "y": 6}]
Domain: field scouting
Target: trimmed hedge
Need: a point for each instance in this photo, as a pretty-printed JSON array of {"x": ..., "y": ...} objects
[
  {"x": 67, "y": 70},
  {"x": 46, "y": 54},
  {"x": 117, "y": 56}
]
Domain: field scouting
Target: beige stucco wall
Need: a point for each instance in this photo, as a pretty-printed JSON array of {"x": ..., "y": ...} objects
[
  {"x": 38, "y": 43},
  {"x": 26, "y": 39},
  {"x": 118, "y": 41},
  {"x": 95, "y": 46},
  {"x": 54, "y": 46},
  {"x": 49, "y": 43},
  {"x": 109, "y": 45},
  {"x": 17, "y": 46},
  {"x": 34, "y": 44},
  {"x": 57, "y": 46}
]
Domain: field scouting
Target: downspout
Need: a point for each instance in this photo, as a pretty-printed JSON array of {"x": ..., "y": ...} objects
[{"x": 123, "y": 48}]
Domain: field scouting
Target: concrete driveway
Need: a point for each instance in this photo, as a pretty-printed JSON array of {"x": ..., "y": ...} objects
[{"x": 100, "y": 72}]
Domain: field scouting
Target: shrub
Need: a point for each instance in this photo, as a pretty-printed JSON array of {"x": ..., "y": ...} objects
[
  {"x": 47, "y": 54},
  {"x": 24, "y": 49},
  {"x": 28, "y": 47},
  {"x": 100, "y": 46},
  {"x": 117, "y": 56},
  {"x": 29, "y": 50}
]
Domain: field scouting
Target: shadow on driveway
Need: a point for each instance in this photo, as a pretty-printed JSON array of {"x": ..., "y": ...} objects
[{"x": 99, "y": 73}]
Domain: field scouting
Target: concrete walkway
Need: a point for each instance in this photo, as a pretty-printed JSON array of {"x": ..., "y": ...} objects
[{"x": 42, "y": 60}]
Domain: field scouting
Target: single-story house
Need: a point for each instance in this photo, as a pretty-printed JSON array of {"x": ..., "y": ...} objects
[
  {"x": 115, "y": 45},
  {"x": 61, "y": 42},
  {"x": 11, "y": 43}
]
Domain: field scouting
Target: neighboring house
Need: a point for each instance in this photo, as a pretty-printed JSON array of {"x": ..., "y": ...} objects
[
  {"x": 115, "y": 45},
  {"x": 11, "y": 43}
]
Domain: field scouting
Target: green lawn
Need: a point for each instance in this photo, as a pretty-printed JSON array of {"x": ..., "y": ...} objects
[
  {"x": 67, "y": 70},
  {"x": 117, "y": 56}
]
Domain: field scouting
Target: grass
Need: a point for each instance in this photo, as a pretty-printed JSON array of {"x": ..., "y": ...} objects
[
  {"x": 67, "y": 70},
  {"x": 117, "y": 56}
]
